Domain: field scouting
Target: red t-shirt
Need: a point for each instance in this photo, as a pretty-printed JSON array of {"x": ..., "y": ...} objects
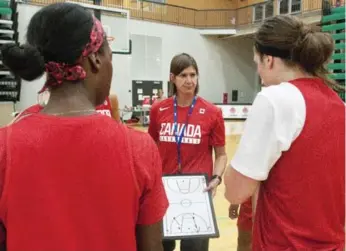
[
  {"x": 31, "y": 109},
  {"x": 205, "y": 129},
  {"x": 77, "y": 183},
  {"x": 105, "y": 108}
]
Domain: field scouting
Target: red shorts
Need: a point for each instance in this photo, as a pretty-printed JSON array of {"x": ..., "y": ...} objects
[{"x": 245, "y": 216}]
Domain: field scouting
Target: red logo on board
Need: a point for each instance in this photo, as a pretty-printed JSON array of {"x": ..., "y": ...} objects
[
  {"x": 232, "y": 110},
  {"x": 245, "y": 110}
]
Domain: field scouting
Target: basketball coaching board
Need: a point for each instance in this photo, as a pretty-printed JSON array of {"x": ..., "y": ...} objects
[{"x": 115, "y": 22}]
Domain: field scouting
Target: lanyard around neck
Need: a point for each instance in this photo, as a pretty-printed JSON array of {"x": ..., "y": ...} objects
[{"x": 179, "y": 138}]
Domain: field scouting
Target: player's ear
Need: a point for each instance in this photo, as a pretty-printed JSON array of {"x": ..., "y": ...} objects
[
  {"x": 171, "y": 77},
  {"x": 95, "y": 62}
]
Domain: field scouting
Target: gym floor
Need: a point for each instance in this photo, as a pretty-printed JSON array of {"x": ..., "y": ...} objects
[{"x": 227, "y": 227}]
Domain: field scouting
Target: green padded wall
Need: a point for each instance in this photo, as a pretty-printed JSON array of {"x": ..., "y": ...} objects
[{"x": 335, "y": 25}]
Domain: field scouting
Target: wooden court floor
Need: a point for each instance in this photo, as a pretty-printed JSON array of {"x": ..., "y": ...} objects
[{"x": 227, "y": 227}]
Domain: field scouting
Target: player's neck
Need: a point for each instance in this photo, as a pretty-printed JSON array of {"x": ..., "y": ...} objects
[
  {"x": 184, "y": 99},
  {"x": 68, "y": 97}
]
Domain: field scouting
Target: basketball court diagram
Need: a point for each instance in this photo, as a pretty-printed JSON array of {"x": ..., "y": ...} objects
[{"x": 190, "y": 212}]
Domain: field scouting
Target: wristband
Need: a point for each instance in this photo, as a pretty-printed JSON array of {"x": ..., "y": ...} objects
[{"x": 217, "y": 177}]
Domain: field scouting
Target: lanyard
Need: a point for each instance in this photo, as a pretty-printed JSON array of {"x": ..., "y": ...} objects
[{"x": 179, "y": 138}]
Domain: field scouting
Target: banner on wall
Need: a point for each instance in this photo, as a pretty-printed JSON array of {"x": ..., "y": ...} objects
[{"x": 234, "y": 111}]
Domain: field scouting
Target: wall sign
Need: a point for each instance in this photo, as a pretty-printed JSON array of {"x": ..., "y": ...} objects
[{"x": 234, "y": 111}]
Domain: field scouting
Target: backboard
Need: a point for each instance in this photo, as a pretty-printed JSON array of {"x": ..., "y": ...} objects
[{"x": 115, "y": 22}]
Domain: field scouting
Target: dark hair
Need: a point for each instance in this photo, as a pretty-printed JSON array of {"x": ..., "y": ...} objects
[
  {"x": 297, "y": 44},
  {"x": 179, "y": 63},
  {"x": 58, "y": 32}
]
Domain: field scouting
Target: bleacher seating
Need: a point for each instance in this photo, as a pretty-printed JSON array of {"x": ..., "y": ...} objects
[
  {"x": 9, "y": 84},
  {"x": 333, "y": 21}
]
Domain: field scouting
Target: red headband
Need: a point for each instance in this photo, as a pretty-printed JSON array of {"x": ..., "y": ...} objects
[{"x": 58, "y": 72}]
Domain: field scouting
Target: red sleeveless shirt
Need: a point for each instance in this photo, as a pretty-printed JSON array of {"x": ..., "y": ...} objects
[{"x": 301, "y": 206}]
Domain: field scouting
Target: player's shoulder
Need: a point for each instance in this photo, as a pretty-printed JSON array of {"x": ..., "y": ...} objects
[
  {"x": 33, "y": 109},
  {"x": 281, "y": 92},
  {"x": 142, "y": 151},
  {"x": 284, "y": 98},
  {"x": 3, "y": 131},
  {"x": 30, "y": 110},
  {"x": 140, "y": 141}
]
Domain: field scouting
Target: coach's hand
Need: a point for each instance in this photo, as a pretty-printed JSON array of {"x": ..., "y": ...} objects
[
  {"x": 212, "y": 186},
  {"x": 233, "y": 211}
]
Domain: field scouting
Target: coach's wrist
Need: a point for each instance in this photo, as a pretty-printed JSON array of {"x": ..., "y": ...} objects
[{"x": 217, "y": 177}]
